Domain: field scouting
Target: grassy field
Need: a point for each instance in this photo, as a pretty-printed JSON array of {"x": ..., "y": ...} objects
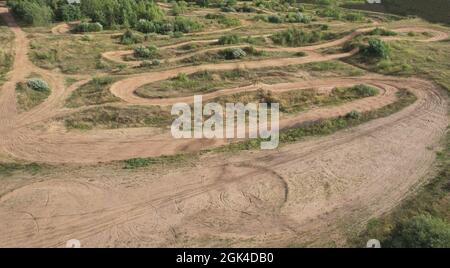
[
  {"x": 431, "y": 10},
  {"x": 93, "y": 93},
  {"x": 28, "y": 98},
  {"x": 110, "y": 117}
]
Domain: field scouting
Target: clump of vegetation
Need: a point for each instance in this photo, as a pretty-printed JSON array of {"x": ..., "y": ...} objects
[
  {"x": 338, "y": 14},
  {"x": 7, "y": 169},
  {"x": 32, "y": 12},
  {"x": 38, "y": 84},
  {"x": 233, "y": 53},
  {"x": 135, "y": 163},
  {"x": 423, "y": 231},
  {"x": 179, "y": 7},
  {"x": 110, "y": 117},
  {"x": 179, "y": 24},
  {"x": 376, "y": 49},
  {"x": 150, "y": 63},
  {"x": 94, "y": 92},
  {"x": 129, "y": 38},
  {"x": 31, "y": 93},
  {"x": 146, "y": 52},
  {"x": 86, "y": 27},
  {"x": 296, "y": 37},
  {"x": 229, "y": 39},
  {"x": 382, "y": 32}
]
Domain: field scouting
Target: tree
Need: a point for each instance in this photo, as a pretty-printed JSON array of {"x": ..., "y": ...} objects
[{"x": 421, "y": 232}]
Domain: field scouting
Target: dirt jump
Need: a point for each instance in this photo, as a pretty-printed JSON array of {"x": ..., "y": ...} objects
[{"x": 298, "y": 192}]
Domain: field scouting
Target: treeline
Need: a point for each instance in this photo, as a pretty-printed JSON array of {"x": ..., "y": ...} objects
[{"x": 106, "y": 12}]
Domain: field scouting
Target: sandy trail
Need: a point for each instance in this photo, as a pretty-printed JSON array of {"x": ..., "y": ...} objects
[{"x": 295, "y": 194}]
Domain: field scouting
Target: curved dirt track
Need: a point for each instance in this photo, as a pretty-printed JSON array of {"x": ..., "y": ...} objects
[{"x": 265, "y": 198}]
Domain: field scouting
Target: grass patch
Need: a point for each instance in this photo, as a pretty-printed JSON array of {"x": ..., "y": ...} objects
[
  {"x": 300, "y": 100},
  {"x": 427, "y": 60},
  {"x": 28, "y": 98},
  {"x": 325, "y": 127},
  {"x": 6, "y": 169},
  {"x": 110, "y": 117},
  {"x": 135, "y": 163},
  {"x": 94, "y": 92}
]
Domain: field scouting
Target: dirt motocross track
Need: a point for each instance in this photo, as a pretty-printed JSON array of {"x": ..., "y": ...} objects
[{"x": 299, "y": 193}]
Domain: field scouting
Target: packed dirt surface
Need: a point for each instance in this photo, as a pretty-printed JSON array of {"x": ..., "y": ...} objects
[{"x": 300, "y": 192}]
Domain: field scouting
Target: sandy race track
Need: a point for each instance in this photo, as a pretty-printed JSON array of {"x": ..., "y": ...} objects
[{"x": 301, "y": 192}]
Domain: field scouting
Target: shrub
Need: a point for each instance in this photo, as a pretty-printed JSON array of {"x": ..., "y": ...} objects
[
  {"x": 150, "y": 63},
  {"x": 420, "y": 232},
  {"x": 32, "y": 12},
  {"x": 297, "y": 37},
  {"x": 364, "y": 90},
  {"x": 186, "y": 25},
  {"x": 86, "y": 27},
  {"x": 382, "y": 32},
  {"x": 233, "y": 53},
  {"x": 145, "y": 26},
  {"x": 179, "y": 7},
  {"x": 274, "y": 19},
  {"x": 146, "y": 52},
  {"x": 377, "y": 49},
  {"x": 227, "y": 9},
  {"x": 353, "y": 115},
  {"x": 38, "y": 84},
  {"x": 70, "y": 12},
  {"x": 129, "y": 38},
  {"x": 229, "y": 21},
  {"x": 229, "y": 39},
  {"x": 297, "y": 18}
]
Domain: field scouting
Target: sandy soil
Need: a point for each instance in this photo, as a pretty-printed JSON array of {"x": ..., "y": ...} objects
[{"x": 300, "y": 193}]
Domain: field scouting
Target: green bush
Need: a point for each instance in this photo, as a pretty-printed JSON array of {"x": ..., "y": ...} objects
[
  {"x": 230, "y": 21},
  {"x": 38, "y": 84},
  {"x": 420, "y": 232},
  {"x": 353, "y": 115},
  {"x": 69, "y": 13},
  {"x": 229, "y": 39},
  {"x": 364, "y": 90},
  {"x": 148, "y": 52},
  {"x": 381, "y": 32},
  {"x": 297, "y": 18},
  {"x": 233, "y": 53},
  {"x": 275, "y": 19},
  {"x": 129, "y": 38},
  {"x": 86, "y": 27},
  {"x": 33, "y": 12},
  {"x": 376, "y": 49},
  {"x": 297, "y": 37}
]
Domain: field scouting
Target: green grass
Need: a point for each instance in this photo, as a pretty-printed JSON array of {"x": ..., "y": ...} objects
[
  {"x": 7, "y": 169},
  {"x": 325, "y": 127},
  {"x": 431, "y": 10},
  {"x": 427, "y": 60},
  {"x": 73, "y": 54},
  {"x": 93, "y": 93},
  {"x": 28, "y": 98},
  {"x": 300, "y": 100},
  {"x": 136, "y": 163},
  {"x": 110, "y": 117}
]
